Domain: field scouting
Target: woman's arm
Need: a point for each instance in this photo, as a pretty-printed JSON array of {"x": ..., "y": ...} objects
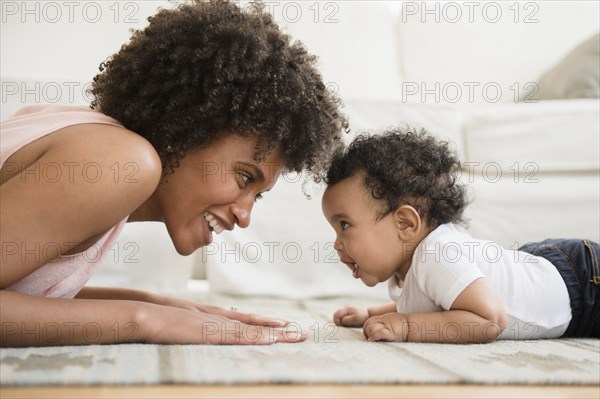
[
  {"x": 116, "y": 293},
  {"x": 35, "y": 321},
  {"x": 149, "y": 297},
  {"x": 476, "y": 316}
]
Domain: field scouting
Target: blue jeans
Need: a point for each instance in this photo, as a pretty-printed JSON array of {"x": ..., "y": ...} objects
[{"x": 578, "y": 262}]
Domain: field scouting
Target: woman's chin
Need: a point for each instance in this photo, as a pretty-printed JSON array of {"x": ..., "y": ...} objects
[{"x": 187, "y": 248}]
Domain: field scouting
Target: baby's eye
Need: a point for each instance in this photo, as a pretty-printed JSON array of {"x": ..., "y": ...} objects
[
  {"x": 344, "y": 225},
  {"x": 258, "y": 197}
]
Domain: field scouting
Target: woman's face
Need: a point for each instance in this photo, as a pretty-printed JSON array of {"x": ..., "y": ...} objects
[{"x": 212, "y": 190}]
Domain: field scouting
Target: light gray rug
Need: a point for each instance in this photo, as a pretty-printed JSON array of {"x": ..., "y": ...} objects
[{"x": 330, "y": 355}]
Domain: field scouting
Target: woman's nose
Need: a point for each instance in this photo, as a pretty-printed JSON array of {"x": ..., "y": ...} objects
[{"x": 241, "y": 210}]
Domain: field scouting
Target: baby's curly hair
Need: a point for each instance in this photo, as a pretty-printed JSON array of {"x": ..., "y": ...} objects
[
  {"x": 205, "y": 69},
  {"x": 405, "y": 166}
]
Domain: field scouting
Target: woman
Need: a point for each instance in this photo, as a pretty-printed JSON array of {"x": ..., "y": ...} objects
[{"x": 192, "y": 121}]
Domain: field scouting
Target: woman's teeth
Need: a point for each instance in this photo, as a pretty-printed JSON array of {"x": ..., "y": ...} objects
[
  {"x": 212, "y": 221},
  {"x": 355, "y": 270}
]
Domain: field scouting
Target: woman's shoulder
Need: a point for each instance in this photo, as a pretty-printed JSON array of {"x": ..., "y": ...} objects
[
  {"x": 51, "y": 115},
  {"x": 73, "y": 185},
  {"x": 111, "y": 149}
]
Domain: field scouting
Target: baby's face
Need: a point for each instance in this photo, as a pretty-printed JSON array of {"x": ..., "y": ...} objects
[{"x": 370, "y": 247}]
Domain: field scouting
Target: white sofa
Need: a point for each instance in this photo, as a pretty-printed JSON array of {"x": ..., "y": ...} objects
[{"x": 454, "y": 68}]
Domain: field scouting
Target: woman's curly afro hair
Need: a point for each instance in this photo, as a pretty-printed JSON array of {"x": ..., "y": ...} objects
[
  {"x": 405, "y": 167},
  {"x": 205, "y": 69}
]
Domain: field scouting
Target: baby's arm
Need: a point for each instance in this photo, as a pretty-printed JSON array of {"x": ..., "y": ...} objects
[
  {"x": 352, "y": 316},
  {"x": 476, "y": 316}
]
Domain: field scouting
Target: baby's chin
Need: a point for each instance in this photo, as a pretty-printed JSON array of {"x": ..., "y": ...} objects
[{"x": 369, "y": 282}]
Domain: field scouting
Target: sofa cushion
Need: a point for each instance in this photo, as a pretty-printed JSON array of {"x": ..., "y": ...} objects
[
  {"x": 547, "y": 205},
  {"x": 575, "y": 76},
  {"x": 547, "y": 136}
]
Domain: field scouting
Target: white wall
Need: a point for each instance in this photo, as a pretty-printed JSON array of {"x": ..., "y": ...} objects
[
  {"x": 62, "y": 40},
  {"x": 367, "y": 49},
  {"x": 51, "y": 49}
]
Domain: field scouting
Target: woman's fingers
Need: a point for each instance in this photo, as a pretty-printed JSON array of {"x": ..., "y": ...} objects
[
  {"x": 245, "y": 317},
  {"x": 214, "y": 325},
  {"x": 260, "y": 320},
  {"x": 203, "y": 327},
  {"x": 237, "y": 333},
  {"x": 291, "y": 334}
]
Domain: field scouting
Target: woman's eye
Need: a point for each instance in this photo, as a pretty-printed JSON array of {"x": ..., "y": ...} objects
[
  {"x": 246, "y": 179},
  {"x": 344, "y": 225}
]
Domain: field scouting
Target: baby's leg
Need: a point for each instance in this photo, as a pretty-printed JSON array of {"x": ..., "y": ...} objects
[{"x": 578, "y": 262}]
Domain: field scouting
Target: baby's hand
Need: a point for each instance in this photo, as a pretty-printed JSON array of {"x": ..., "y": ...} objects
[
  {"x": 388, "y": 327},
  {"x": 351, "y": 316}
]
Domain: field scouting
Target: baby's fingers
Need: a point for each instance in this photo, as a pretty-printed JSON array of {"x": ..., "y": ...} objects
[
  {"x": 350, "y": 317},
  {"x": 352, "y": 320},
  {"x": 382, "y": 335},
  {"x": 373, "y": 325},
  {"x": 339, "y": 316},
  {"x": 378, "y": 332}
]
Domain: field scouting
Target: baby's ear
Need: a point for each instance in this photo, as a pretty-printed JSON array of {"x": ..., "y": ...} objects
[{"x": 408, "y": 222}]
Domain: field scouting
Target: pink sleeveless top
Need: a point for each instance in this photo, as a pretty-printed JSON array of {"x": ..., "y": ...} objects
[{"x": 65, "y": 276}]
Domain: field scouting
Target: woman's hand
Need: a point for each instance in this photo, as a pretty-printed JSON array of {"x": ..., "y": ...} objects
[
  {"x": 215, "y": 310},
  {"x": 167, "y": 320},
  {"x": 209, "y": 325},
  {"x": 243, "y": 317},
  {"x": 351, "y": 316}
]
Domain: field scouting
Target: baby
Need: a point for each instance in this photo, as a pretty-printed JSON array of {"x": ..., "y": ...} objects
[{"x": 394, "y": 201}]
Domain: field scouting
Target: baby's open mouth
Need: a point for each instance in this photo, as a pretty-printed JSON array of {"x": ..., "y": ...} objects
[{"x": 354, "y": 268}]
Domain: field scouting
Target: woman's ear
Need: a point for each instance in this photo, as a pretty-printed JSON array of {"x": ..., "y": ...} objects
[{"x": 408, "y": 222}]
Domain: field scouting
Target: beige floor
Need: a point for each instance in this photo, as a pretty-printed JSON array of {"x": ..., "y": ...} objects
[{"x": 307, "y": 391}]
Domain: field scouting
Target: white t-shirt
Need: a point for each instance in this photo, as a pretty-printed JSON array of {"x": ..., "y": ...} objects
[{"x": 448, "y": 260}]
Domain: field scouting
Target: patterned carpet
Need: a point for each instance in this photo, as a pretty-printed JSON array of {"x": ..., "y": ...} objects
[{"x": 330, "y": 355}]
